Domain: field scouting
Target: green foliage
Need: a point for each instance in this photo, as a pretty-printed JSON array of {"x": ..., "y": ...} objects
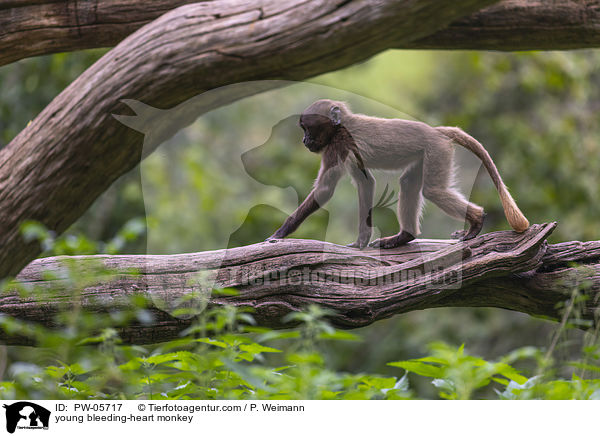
[
  {"x": 73, "y": 244},
  {"x": 230, "y": 364},
  {"x": 29, "y": 85},
  {"x": 459, "y": 376}
]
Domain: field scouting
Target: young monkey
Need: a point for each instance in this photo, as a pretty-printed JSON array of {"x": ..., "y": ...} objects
[{"x": 357, "y": 143}]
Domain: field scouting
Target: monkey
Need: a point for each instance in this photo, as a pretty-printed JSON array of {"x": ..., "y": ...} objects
[{"x": 357, "y": 144}]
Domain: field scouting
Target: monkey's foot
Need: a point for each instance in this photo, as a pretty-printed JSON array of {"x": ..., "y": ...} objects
[
  {"x": 392, "y": 241},
  {"x": 358, "y": 244},
  {"x": 463, "y": 235},
  {"x": 474, "y": 230},
  {"x": 459, "y": 234}
]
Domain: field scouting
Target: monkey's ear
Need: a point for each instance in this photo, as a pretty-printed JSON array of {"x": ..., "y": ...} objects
[{"x": 336, "y": 115}]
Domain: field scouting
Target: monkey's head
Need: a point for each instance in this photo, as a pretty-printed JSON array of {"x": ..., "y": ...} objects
[{"x": 320, "y": 122}]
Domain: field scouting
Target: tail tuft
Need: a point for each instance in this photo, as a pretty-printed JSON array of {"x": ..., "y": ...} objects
[{"x": 514, "y": 216}]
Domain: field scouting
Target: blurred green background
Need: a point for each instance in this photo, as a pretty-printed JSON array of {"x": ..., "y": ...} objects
[{"x": 231, "y": 177}]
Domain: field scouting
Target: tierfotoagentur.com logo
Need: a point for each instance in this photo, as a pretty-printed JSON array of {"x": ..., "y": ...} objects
[{"x": 24, "y": 415}]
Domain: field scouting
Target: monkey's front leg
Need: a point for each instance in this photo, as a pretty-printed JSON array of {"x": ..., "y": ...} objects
[
  {"x": 308, "y": 206},
  {"x": 329, "y": 175},
  {"x": 365, "y": 184},
  {"x": 321, "y": 194}
]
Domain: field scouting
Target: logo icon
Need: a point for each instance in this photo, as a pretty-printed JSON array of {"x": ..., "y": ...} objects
[{"x": 26, "y": 415}]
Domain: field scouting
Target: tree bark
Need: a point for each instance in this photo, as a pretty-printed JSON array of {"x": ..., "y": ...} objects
[
  {"x": 72, "y": 151},
  {"x": 36, "y": 27},
  {"x": 521, "y": 25},
  {"x": 503, "y": 269}
]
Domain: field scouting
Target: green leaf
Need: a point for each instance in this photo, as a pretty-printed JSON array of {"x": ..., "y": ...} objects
[
  {"x": 340, "y": 335},
  {"x": 431, "y": 359},
  {"x": 502, "y": 381},
  {"x": 510, "y": 373},
  {"x": 379, "y": 382},
  {"x": 211, "y": 341},
  {"x": 445, "y": 384},
  {"x": 257, "y": 348},
  {"x": 419, "y": 368},
  {"x": 305, "y": 358},
  {"x": 169, "y": 357}
]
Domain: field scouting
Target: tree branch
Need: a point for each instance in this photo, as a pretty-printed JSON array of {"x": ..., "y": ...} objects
[
  {"x": 521, "y": 25},
  {"x": 36, "y": 27},
  {"x": 503, "y": 269},
  {"x": 72, "y": 151}
]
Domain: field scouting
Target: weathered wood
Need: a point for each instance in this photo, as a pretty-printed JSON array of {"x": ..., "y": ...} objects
[
  {"x": 74, "y": 149},
  {"x": 502, "y": 269},
  {"x": 521, "y": 25},
  {"x": 35, "y": 27}
]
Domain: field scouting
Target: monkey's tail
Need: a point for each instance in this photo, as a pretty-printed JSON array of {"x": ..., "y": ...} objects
[{"x": 515, "y": 217}]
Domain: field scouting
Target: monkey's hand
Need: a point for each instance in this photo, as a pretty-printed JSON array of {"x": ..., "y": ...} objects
[{"x": 275, "y": 237}]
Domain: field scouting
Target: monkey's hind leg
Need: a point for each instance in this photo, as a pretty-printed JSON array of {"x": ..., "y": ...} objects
[
  {"x": 410, "y": 204},
  {"x": 438, "y": 189}
]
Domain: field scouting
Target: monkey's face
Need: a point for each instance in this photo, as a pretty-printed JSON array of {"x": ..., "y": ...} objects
[{"x": 318, "y": 131}]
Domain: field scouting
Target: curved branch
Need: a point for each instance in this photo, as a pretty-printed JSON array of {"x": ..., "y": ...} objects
[
  {"x": 33, "y": 27},
  {"x": 70, "y": 153},
  {"x": 502, "y": 269}
]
